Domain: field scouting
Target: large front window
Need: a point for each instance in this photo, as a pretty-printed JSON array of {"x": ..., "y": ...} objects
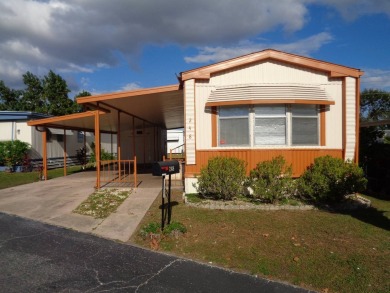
[
  {"x": 268, "y": 125},
  {"x": 233, "y": 126}
]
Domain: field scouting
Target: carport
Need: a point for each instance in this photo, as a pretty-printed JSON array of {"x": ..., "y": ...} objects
[{"x": 140, "y": 119}]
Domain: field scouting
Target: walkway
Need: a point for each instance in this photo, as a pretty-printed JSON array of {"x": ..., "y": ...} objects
[{"x": 54, "y": 200}]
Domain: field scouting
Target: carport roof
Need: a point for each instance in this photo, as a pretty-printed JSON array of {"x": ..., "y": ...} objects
[{"x": 160, "y": 106}]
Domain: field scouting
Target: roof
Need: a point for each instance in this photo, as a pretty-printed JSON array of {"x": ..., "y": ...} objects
[
  {"x": 162, "y": 106},
  {"x": 334, "y": 70},
  {"x": 21, "y": 115},
  {"x": 158, "y": 106}
]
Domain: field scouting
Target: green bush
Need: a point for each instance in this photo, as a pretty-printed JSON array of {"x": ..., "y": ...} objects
[
  {"x": 271, "y": 181},
  {"x": 331, "y": 179},
  {"x": 13, "y": 152},
  {"x": 222, "y": 178},
  {"x": 174, "y": 226}
]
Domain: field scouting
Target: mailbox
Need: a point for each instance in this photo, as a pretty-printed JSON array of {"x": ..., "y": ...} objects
[{"x": 165, "y": 168}]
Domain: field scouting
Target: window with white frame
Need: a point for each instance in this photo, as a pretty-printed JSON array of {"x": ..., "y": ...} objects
[
  {"x": 234, "y": 126},
  {"x": 304, "y": 125},
  {"x": 268, "y": 125}
]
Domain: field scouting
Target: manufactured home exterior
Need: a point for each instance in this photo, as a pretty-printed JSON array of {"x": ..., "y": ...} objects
[
  {"x": 267, "y": 104},
  {"x": 254, "y": 107}
]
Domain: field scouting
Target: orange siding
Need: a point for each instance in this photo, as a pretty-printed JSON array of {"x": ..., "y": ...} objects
[{"x": 300, "y": 159}]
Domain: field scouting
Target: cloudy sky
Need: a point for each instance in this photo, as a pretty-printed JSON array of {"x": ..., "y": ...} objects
[{"x": 104, "y": 46}]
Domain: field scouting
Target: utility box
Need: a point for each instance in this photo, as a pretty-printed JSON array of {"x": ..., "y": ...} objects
[{"x": 165, "y": 168}]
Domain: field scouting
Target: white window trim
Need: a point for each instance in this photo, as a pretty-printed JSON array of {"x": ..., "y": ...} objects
[{"x": 252, "y": 123}]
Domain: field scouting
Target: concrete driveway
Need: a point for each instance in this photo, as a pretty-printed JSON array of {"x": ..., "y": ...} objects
[{"x": 53, "y": 201}]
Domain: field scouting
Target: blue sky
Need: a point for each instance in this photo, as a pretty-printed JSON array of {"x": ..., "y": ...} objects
[{"x": 106, "y": 46}]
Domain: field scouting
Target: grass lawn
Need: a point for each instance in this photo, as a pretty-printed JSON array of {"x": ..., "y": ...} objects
[
  {"x": 19, "y": 178},
  {"x": 320, "y": 250}
]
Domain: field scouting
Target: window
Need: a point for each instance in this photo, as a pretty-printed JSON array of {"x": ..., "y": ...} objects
[
  {"x": 267, "y": 125},
  {"x": 270, "y": 125},
  {"x": 233, "y": 126},
  {"x": 304, "y": 125}
]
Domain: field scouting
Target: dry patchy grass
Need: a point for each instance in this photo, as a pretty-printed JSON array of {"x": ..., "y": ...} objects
[
  {"x": 102, "y": 203},
  {"x": 317, "y": 249}
]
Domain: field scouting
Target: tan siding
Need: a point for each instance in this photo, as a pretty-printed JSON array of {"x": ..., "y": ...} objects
[
  {"x": 203, "y": 117},
  {"x": 334, "y": 115},
  {"x": 190, "y": 138},
  {"x": 299, "y": 158},
  {"x": 268, "y": 72},
  {"x": 350, "y": 119}
]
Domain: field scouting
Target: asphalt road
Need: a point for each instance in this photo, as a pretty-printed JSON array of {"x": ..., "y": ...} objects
[{"x": 36, "y": 257}]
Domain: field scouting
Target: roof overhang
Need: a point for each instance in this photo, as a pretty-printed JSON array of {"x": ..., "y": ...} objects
[
  {"x": 159, "y": 106},
  {"x": 333, "y": 70},
  {"x": 79, "y": 121}
]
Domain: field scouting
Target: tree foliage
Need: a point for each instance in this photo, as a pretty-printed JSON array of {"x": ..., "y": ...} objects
[
  {"x": 374, "y": 106},
  {"x": 47, "y": 95}
]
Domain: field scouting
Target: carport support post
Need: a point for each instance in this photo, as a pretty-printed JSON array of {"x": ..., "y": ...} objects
[
  {"x": 65, "y": 152},
  {"x": 97, "y": 148},
  {"x": 44, "y": 153},
  {"x": 118, "y": 144}
]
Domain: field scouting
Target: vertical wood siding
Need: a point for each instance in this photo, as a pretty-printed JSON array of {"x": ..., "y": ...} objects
[{"x": 300, "y": 159}]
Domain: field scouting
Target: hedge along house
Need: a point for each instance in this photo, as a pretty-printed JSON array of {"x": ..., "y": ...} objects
[{"x": 253, "y": 107}]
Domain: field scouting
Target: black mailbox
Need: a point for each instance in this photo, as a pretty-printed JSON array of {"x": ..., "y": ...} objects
[{"x": 165, "y": 168}]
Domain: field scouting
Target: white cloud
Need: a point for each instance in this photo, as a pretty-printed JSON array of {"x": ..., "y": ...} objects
[
  {"x": 376, "y": 79},
  {"x": 351, "y": 9},
  {"x": 302, "y": 47},
  {"x": 130, "y": 86},
  {"x": 85, "y": 36}
]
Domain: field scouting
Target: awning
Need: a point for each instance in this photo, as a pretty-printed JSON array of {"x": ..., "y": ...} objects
[
  {"x": 268, "y": 94},
  {"x": 58, "y": 131}
]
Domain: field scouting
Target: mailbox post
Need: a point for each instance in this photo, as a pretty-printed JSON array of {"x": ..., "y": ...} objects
[{"x": 162, "y": 169}]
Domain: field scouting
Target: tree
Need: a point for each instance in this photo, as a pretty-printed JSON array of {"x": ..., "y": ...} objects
[
  {"x": 83, "y": 93},
  {"x": 374, "y": 106},
  {"x": 9, "y": 98},
  {"x": 33, "y": 99},
  {"x": 55, "y": 93}
]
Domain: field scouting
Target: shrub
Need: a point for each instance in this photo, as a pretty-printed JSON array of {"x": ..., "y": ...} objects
[
  {"x": 174, "y": 227},
  {"x": 13, "y": 152},
  {"x": 222, "y": 178},
  {"x": 271, "y": 181},
  {"x": 151, "y": 228},
  {"x": 330, "y": 179}
]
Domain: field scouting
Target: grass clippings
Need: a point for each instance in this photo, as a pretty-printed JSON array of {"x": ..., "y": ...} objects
[
  {"x": 327, "y": 251},
  {"x": 102, "y": 203}
]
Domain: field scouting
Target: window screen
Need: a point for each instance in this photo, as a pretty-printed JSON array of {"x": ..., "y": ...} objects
[
  {"x": 304, "y": 125},
  {"x": 270, "y": 125},
  {"x": 233, "y": 126}
]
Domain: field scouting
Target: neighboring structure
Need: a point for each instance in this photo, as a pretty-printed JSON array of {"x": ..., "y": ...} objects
[
  {"x": 253, "y": 107},
  {"x": 13, "y": 126},
  {"x": 175, "y": 141}
]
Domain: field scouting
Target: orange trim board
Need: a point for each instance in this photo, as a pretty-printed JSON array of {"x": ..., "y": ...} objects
[
  {"x": 127, "y": 94},
  {"x": 334, "y": 70},
  {"x": 57, "y": 119},
  {"x": 270, "y": 101}
]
